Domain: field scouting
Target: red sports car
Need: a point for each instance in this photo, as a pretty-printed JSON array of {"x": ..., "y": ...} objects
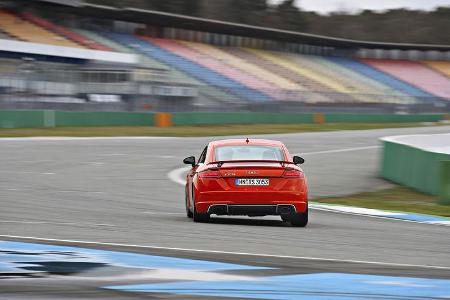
[{"x": 247, "y": 177}]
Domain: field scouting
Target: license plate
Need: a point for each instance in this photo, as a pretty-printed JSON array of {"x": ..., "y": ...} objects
[{"x": 252, "y": 181}]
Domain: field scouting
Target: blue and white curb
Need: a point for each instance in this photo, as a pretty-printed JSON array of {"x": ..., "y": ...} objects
[
  {"x": 18, "y": 257},
  {"x": 144, "y": 273},
  {"x": 418, "y": 218},
  {"x": 324, "y": 286}
]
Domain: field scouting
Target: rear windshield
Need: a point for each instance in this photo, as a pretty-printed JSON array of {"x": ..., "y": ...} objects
[{"x": 248, "y": 153}]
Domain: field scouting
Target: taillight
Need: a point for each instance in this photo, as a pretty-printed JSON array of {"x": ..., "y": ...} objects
[
  {"x": 293, "y": 174},
  {"x": 209, "y": 174}
]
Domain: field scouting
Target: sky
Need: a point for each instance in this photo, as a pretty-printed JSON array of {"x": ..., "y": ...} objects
[{"x": 326, "y": 6}]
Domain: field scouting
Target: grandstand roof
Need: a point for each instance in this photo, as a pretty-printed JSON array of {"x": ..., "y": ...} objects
[{"x": 165, "y": 19}]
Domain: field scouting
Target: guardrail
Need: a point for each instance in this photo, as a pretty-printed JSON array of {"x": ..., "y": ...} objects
[{"x": 421, "y": 162}]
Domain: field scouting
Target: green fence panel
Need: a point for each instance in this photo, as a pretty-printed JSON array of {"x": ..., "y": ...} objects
[
  {"x": 382, "y": 118},
  {"x": 21, "y": 118},
  {"x": 413, "y": 167},
  {"x": 444, "y": 191},
  {"x": 240, "y": 118},
  {"x": 49, "y": 118},
  {"x": 64, "y": 119},
  {"x": 294, "y": 118}
]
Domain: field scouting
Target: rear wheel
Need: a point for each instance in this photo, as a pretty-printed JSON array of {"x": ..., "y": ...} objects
[
  {"x": 299, "y": 219},
  {"x": 198, "y": 217}
]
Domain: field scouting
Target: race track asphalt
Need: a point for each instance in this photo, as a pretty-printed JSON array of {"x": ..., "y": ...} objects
[{"x": 117, "y": 191}]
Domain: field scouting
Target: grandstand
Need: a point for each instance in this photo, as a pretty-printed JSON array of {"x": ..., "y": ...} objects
[
  {"x": 416, "y": 74},
  {"x": 440, "y": 66},
  {"x": 192, "y": 69},
  {"x": 21, "y": 29}
]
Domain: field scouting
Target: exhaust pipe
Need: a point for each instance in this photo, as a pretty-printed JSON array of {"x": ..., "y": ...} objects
[
  {"x": 285, "y": 209},
  {"x": 218, "y": 209}
]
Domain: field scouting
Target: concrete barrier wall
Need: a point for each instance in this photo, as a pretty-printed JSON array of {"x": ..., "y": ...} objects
[
  {"x": 50, "y": 118},
  {"x": 417, "y": 161}
]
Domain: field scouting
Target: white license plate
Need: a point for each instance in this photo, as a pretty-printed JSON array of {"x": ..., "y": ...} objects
[{"x": 252, "y": 181}]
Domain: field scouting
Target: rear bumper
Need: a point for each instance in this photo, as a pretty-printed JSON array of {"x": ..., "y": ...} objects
[
  {"x": 252, "y": 210},
  {"x": 250, "y": 203}
]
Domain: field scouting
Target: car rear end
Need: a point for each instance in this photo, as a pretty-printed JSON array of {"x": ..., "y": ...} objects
[{"x": 252, "y": 180}]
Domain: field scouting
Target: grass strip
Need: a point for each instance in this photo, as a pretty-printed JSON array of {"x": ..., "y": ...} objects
[
  {"x": 398, "y": 198},
  {"x": 200, "y": 130}
]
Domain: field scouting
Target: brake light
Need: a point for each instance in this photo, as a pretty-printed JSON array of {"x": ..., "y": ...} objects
[
  {"x": 209, "y": 174},
  {"x": 293, "y": 174}
]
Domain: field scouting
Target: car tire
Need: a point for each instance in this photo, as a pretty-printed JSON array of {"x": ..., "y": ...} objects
[
  {"x": 299, "y": 219},
  {"x": 189, "y": 213},
  {"x": 198, "y": 217}
]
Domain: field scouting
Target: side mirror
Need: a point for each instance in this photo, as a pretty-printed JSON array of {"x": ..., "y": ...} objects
[
  {"x": 189, "y": 160},
  {"x": 298, "y": 160}
]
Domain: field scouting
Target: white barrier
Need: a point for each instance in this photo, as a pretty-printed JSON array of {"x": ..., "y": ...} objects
[
  {"x": 418, "y": 161},
  {"x": 438, "y": 143},
  {"x": 69, "y": 52}
]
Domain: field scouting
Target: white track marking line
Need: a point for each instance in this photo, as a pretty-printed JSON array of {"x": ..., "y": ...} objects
[
  {"x": 358, "y": 210},
  {"x": 54, "y": 223},
  {"x": 27, "y": 172},
  {"x": 78, "y": 242},
  {"x": 445, "y": 223},
  {"x": 341, "y": 150},
  {"x": 440, "y": 223},
  {"x": 169, "y": 274},
  {"x": 113, "y": 154},
  {"x": 177, "y": 175},
  {"x": 162, "y": 213},
  {"x": 63, "y": 138},
  {"x": 95, "y": 163},
  {"x": 79, "y": 192}
]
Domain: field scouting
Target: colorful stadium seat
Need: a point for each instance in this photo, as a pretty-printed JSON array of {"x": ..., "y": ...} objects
[
  {"x": 231, "y": 74},
  {"x": 415, "y": 74},
  {"x": 216, "y": 65},
  {"x": 200, "y": 72},
  {"x": 73, "y": 36},
  {"x": 387, "y": 79},
  {"x": 440, "y": 66},
  {"x": 26, "y": 31}
]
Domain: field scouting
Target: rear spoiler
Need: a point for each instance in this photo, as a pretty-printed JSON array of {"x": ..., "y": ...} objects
[{"x": 221, "y": 162}]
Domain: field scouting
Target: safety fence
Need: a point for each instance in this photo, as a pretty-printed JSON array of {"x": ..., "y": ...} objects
[
  {"x": 421, "y": 162},
  {"x": 52, "y": 118}
]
